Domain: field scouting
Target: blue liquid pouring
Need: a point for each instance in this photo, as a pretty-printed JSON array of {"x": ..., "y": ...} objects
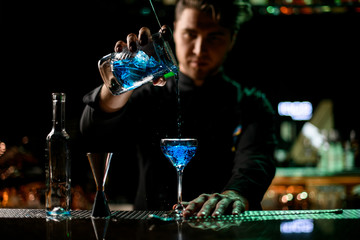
[
  {"x": 131, "y": 72},
  {"x": 179, "y": 154}
]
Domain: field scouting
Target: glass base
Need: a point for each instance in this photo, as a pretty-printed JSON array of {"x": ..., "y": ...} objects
[
  {"x": 57, "y": 214},
  {"x": 179, "y": 208},
  {"x": 100, "y": 206},
  {"x": 57, "y": 211}
]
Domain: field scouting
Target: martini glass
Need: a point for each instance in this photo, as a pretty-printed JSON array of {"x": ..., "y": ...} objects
[
  {"x": 100, "y": 164},
  {"x": 179, "y": 151}
]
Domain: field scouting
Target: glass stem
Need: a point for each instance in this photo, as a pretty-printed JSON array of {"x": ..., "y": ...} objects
[{"x": 179, "y": 207}]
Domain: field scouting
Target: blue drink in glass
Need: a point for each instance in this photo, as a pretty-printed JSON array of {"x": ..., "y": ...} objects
[
  {"x": 126, "y": 70},
  {"x": 179, "y": 151},
  {"x": 179, "y": 155}
]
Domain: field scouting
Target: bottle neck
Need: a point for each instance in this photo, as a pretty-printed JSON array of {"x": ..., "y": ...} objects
[{"x": 58, "y": 111}]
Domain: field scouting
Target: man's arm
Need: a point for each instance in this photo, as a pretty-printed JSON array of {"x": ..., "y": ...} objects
[
  {"x": 254, "y": 165},
  {"x": 253, "y": 168}
]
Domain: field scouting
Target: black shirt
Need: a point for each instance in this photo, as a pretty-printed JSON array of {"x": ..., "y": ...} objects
[{"x": 234, "y": 127}]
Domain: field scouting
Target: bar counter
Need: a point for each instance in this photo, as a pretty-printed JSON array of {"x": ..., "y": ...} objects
[{"x": 292, "y": 224}]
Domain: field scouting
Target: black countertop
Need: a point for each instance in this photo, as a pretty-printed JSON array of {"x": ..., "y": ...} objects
[{"x": 300, "y": 224}]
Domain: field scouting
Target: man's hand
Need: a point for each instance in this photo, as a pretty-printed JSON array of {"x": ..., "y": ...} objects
[
  {"x": 216, "y": 204},
  {"x": 143, "y": 38},
  {"x": 110, "y": 103}
]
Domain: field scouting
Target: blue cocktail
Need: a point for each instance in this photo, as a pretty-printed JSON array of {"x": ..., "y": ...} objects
[
  {"x": 179, "y": 151},
  {"x": 136, "y": 71}
]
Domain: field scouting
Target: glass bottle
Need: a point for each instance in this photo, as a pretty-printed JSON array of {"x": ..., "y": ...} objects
[{"x": 58, "y": 170}]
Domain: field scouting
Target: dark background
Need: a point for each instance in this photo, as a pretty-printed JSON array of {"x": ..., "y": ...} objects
[{"x": 54, "y": 46}]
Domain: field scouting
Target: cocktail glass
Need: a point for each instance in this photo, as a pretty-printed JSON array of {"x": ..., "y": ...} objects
[
  {"x": 179, "y": 151},
  {"x": 100, "y": 163}
]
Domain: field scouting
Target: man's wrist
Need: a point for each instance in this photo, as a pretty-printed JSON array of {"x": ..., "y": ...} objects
[{"x": 110, "y": 103}]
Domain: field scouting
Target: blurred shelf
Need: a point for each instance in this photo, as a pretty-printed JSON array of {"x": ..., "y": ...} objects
[
  {"x": 313, "y": 172},
  {"x": 305, "y": 7},
  {"x": 312, "y": 176}
]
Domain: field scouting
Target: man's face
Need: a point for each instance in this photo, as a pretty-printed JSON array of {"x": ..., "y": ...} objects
[{"x": 201, "y": 44}]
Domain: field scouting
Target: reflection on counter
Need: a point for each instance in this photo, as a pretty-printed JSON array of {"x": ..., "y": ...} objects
[
  {"x": 100, "y": 227},
  {"x": 318, "y": 224},
  {"x": 58, "y": 229},
  {"x": 297, "y": 226}
]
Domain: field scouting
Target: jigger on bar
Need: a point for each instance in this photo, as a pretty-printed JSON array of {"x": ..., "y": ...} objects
[{"x": 100, "y": 163}]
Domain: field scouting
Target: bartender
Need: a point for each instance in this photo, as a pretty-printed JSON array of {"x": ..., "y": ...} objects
[{"x": 234, "y": 164}]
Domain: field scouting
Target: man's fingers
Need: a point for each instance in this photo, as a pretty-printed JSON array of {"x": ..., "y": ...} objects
[
  {"x": 144, "y": 36},
  {"x": 185, "y": 204},
  {"x": 221, "y": 207},
  {"x": 119, "y": 46},
  {"x": 238, "y": 207},
  {"x": 195, "y": 204},
  {"x": 159, "y": 82},
  {"x": 215, "y": 204},
  {"x": 209, "y": 205},
  {"x": 166, "y": 32},
  {"x": 131, "y": 42}
]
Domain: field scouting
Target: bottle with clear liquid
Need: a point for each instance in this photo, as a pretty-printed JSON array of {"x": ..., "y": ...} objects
[{"x": 58, "y": 169}]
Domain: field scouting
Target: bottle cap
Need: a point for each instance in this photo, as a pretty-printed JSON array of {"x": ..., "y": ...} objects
[{"x": 59, "y": 97}]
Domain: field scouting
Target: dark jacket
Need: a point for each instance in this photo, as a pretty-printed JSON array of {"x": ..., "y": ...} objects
[{"x": 234, "y": 127}]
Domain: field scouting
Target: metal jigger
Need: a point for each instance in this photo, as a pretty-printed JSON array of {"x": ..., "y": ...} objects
[{"x": 100, "y": 163}]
